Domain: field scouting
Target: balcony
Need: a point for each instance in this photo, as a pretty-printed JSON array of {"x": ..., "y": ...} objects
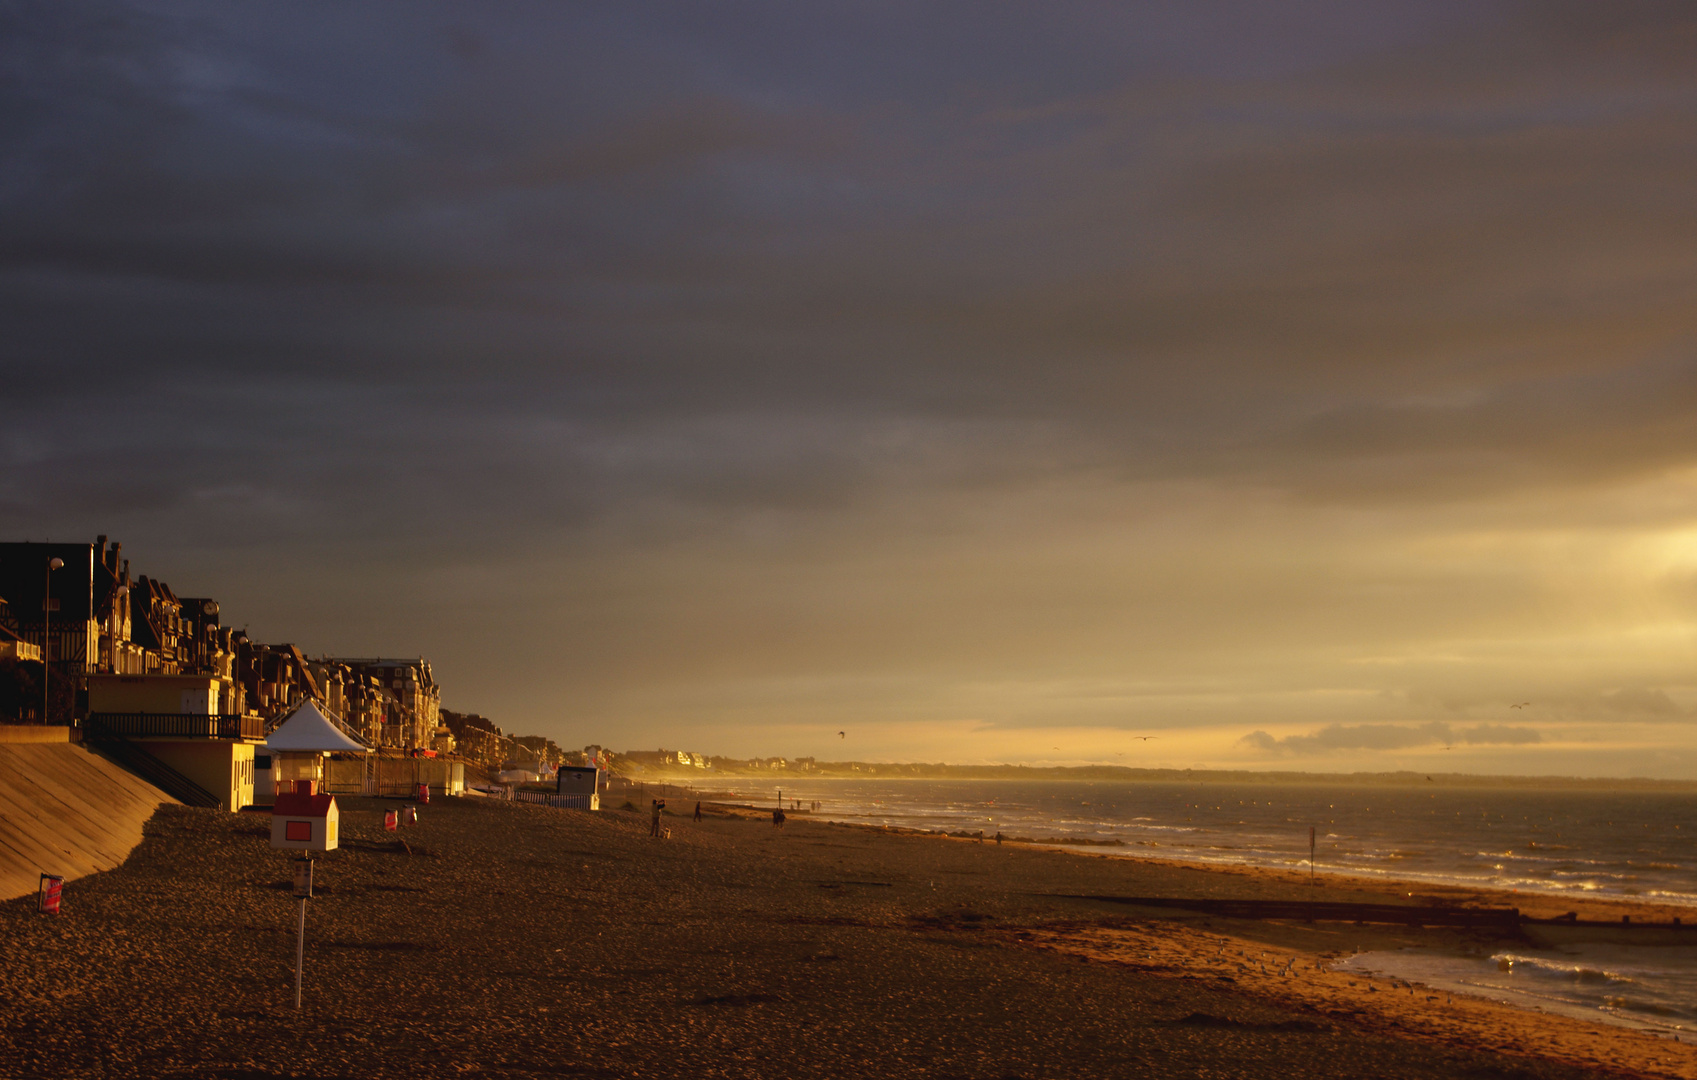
[{"x": 175, "y": 726}]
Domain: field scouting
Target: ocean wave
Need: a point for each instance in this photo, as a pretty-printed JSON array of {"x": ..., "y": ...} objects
[
  {"x": 1401, "y": 836},
  {"x": 1542, "y": 967},
  {"x": 1672, "y": 895},
  {"x": 1648, "y": 1008}
]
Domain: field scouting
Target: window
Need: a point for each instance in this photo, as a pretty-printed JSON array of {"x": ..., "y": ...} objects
[{"x": 297, "y": 830}]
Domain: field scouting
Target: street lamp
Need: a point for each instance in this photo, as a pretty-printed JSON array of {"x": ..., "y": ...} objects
[
  {"x": 112, "y": 626},
  {"x": 47, "y": 635}
]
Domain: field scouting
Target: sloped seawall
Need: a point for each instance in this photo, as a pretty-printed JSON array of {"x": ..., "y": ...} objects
[{"x": 64, "y": 810}]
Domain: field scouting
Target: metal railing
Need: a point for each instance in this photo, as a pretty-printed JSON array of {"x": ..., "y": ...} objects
[
  {"x": 560, "y": 802},
  {"x": 136, "y": 759},
  {"x": 177, "y": 725}
]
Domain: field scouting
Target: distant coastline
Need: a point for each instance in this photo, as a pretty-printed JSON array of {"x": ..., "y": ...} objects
[{"x": 861, "y": 770}]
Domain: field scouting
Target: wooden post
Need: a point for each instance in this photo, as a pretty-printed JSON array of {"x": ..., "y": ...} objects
[
  {"x": 300, "y": 951},
  {"x": 303, "y": 891}
]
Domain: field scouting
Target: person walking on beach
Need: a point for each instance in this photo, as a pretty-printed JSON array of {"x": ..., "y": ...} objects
[
  {"x": 698, "y": 811},
  {"x": 777, "y": 817},
  {"x": 654, "y": 825}
]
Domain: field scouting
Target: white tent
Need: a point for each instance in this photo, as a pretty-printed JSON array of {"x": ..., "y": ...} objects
[{"x": 309, "y": 731}]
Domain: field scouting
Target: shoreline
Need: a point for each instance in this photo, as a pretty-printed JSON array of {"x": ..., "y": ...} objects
[
  {"x": 1537, "y": 903},
  {"x": 497, "y": 938},
  {"x": 1294, "y": 945},
  {"x": 833, "y": 772}
]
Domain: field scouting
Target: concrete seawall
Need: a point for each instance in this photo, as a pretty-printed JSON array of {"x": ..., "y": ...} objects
[{"x": 64, "y": 810}]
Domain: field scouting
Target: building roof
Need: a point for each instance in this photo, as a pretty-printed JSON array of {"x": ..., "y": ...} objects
[
  {"x": 291, "y": 805},
  {"x": 309, "y": 731}
]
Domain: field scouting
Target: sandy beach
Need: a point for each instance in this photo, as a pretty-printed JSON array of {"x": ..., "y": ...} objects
[{"x": 507, "y": 940}]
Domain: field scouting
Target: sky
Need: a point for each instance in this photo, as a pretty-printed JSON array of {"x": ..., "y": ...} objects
[{"x": 1306, "y": 386}]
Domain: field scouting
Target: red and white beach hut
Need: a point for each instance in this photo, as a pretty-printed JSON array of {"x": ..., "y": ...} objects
[{"x": 305, "y": 819}]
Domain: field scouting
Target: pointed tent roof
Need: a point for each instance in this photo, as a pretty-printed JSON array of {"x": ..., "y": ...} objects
[{"x": 308, "y": 730}]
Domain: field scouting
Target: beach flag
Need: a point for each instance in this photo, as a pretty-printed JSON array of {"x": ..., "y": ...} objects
[
  {"x": 424, "y": 793},
  {"x": 392, "y": 820},
  {"x": 410, "y": 815},
  {"x": 48, "y": 898}
]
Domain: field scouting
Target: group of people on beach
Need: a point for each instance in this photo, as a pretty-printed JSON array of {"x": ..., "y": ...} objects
[{"x": 656, "y": 806}]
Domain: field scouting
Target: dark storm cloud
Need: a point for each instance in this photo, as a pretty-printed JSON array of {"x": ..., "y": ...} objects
[
  {"x": 1208, "y": 226},
  {"x": 1193, "y": 247}
]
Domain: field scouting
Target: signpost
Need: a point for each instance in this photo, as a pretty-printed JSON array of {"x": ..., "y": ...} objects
[{"x": 303, "y": 892}]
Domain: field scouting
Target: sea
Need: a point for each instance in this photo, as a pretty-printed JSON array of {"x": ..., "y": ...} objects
[{"x": 1625, "y": 844}]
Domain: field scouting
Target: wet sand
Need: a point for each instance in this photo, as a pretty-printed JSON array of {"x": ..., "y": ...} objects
[{"x": 496, "y": 939}]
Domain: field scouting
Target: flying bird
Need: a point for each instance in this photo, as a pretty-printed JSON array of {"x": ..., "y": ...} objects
[
  {"x": 842, "y": 734},
  {"x": 1522, "y": 705},
  {"x": 1146, "y": 738}
]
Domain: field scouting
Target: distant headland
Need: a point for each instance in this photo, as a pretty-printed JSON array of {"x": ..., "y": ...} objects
[{"x": 703, "y": 768}]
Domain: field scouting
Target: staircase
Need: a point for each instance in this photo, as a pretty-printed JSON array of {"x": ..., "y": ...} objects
[{"x": 129, "y": 755}]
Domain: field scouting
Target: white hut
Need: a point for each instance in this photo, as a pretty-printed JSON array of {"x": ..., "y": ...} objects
[
  {"x": 579, "y": 787},
  {"x": 298, "y": 747}
]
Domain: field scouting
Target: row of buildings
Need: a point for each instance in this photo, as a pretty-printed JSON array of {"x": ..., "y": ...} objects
[
  {"x": 479, "y": 739},
  {"x": 689, "y": 759},
  {"x": 74, "y": 615}
]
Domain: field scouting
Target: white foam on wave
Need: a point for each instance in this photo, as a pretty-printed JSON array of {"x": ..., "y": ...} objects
[
  {"x": 1555, "y": 844},
  {"x": 1627, "y": 986}
]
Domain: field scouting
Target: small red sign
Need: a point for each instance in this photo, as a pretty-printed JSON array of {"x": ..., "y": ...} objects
[
  {"x": 51, "y": 886},
  {"x": 391, "y": 820},
  {"x": 297, "y": 830}
]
